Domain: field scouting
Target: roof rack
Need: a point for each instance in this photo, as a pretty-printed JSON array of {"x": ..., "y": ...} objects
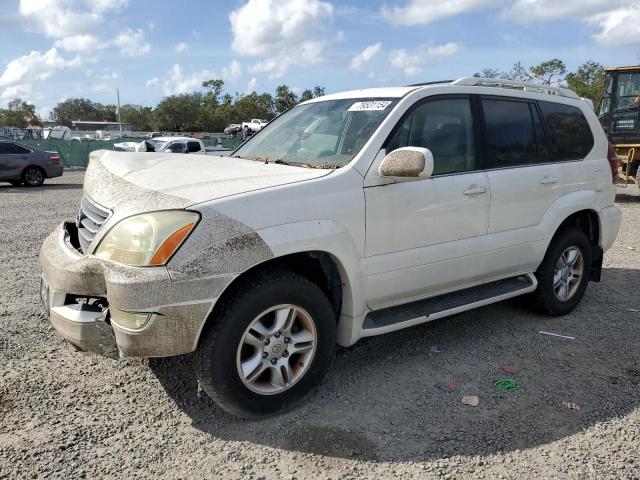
[
  {"x": 527, "y": 87},
  {"x": 435, "y": 82}
]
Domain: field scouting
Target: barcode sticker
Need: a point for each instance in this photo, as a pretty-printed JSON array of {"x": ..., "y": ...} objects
[{"x": 369, "y": 106}]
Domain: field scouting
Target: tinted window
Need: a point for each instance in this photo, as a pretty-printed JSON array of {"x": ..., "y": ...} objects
[
  {"x": 12, "y": 148},
  {"x": 510, "y": 135},
  {"x": 193, "y": 146},
  {"x": 446, "y": 128},
  {"x": 571, "y": 137}
]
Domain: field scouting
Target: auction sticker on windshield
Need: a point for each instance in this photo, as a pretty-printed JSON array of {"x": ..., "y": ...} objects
[{"x": 369, "y": 106}]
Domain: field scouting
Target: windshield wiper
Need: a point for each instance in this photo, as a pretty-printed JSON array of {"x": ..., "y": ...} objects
[{"x": 327, "y": 166}]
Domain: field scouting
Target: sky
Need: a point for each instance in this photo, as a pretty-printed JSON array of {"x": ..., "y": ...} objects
[{"x": 51, "y": 50}]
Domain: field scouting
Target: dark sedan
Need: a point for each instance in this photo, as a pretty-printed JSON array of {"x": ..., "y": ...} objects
[{"x": 20, "y": 164}]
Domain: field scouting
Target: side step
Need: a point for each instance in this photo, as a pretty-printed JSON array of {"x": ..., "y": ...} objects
[{"x": 402, "y": 316}]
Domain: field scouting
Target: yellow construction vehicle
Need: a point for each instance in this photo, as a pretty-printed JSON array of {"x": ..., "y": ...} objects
[{"x": 619, "y": 114}]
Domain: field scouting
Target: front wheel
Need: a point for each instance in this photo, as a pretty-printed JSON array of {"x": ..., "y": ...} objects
[
  {"x": 564, "y": 273},
  {"x": 267, "y": 346}
]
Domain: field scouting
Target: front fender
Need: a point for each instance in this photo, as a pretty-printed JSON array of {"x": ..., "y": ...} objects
[{"x": 334, "y": 239}]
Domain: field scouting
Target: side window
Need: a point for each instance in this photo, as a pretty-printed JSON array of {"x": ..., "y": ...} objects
[
  {"x": 510, "y": 136},
  {"x": 571, "y": 137},
  {"x": 20, "y": 150},
  {"x": 193, "y": 147},
  {"x": 9, "y": 148},
  {"x": 446, "y": 128}
]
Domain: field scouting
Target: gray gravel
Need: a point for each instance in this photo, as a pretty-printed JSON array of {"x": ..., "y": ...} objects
[{"x": 385, "y": 409}]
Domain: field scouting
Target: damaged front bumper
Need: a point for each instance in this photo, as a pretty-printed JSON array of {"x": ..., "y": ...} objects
[{"x": 84, "y": 297}]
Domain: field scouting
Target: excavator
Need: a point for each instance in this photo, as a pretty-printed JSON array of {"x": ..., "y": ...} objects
[{"x": 619, "y": 114}]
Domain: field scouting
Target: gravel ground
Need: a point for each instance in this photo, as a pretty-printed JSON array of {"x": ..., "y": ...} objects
[{"x": 385, "y": 409}]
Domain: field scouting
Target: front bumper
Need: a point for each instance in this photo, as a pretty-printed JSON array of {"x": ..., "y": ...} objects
[{"x": 78, "y": 292}]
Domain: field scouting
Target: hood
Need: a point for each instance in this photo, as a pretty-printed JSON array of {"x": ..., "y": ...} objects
[{"x": 191, "y": 178}]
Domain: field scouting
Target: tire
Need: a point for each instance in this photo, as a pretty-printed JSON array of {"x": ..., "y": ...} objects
[
  {"x": 553, "y": 274},
  {"x": 33, "y": 177},
  {"x": 236, "y": 339}
]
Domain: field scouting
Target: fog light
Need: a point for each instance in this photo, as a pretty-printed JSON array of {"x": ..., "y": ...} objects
[{"x": 129, "y": 320}]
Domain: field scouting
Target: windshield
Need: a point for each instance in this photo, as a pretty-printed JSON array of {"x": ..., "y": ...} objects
[{"x": 318, "y": 135}]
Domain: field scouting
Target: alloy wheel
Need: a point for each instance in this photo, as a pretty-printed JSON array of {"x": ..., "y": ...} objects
[
  {"x": 276, "y": 349},
  {"x": 568, "y": 273}
]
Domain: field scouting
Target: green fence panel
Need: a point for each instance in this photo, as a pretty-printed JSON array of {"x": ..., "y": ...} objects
[{"x": 75, "y": 153}]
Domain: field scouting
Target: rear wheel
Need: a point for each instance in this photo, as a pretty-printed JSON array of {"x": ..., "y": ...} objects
[
  {"x": 33, "y": 176},
  {"x": 564, "y": 273},
  {"x": 268, "y": 345}
]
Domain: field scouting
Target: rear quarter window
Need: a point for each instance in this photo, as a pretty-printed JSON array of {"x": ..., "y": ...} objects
[{"x": 569, "y": 131}]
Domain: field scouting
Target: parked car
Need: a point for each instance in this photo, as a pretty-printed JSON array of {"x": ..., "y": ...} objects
[
  {"x": 254, "y": 125},
  {"x": 20, "y": 164},
  {"x": 164, "y": 144},
  {"x": 351, "y": 215},
  {"x": 233, "y": 129}
]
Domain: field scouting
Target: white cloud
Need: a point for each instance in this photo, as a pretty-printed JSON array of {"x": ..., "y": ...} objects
[
  {"x": 251, "y": 86},
  {"x": 282, "y": 32},
  {"x": 35, "y": 66},
  {"x": 413, "y": 62},
  {"x": 21, "y": 90},
  {"x": 233, "y": 72},
  {"x": 616, "y": 20},
  {"x": 132, "y": 43},
  {"x": 416, "y": 12},
  {"x": 525, "y": 11},
  {"x": 64, "y": 18},
  {"x": 178, "y": 82},
  {"x": 181, "y": 47},
  {"x": 358, "y": 62},
  {"x": 618, "y": 27},
  {"x": 84, "y": 43}
]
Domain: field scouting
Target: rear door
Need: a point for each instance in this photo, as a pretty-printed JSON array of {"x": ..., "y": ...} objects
[
  {"x": 524, "y": 182},
  {"x": 13, "y": 159}
]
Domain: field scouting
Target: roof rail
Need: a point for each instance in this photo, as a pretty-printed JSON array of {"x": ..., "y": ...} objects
[{"x": 527, "y": 87}]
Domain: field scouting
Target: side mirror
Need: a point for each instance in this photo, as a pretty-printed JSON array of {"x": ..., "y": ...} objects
[{"x": 407, "y": 162}]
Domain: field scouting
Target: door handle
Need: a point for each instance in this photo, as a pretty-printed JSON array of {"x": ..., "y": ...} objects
[
  {"x": 548, "y": 179},
  {"x": 475, "y": 190}
]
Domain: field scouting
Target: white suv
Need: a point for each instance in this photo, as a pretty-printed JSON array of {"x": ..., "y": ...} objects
[{"x": 350, "y": 215}]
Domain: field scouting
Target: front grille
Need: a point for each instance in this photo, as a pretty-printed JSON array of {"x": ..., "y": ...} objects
[{"x": 90, "y": 219}]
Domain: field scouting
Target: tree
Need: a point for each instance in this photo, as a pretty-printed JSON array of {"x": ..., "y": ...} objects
[
  {"x": 588, "y": 81},
  {"x": 19, "y": 114},
  {"x": 306, "y": 95},
  {"x": 140, "y": 118},
  {"x": 251, "y": 106},
  {"x": 74, "y": 109},
  {"x": 285, "y": 98},
  {"x": 549, "y": 72},
  {"x": 491, "y": 73},
  {"x": 178, "y": 113},
  {"x": 318, "y": 91}
]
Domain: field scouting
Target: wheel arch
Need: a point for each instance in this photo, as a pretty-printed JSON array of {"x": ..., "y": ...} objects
[
  {"x": 320, "y": 267},
  {"x": 32, "y": 165},
  {"x": 587, "y": 221}
]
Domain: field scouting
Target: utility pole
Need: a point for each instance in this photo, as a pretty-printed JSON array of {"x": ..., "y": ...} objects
[{"x": 119, "y": 121}]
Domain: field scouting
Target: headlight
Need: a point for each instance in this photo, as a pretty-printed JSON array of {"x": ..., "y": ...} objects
[{"x": 148, "y": 239}]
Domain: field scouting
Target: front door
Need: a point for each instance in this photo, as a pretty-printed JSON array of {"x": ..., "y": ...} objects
[{"x": 418, "y": 232}]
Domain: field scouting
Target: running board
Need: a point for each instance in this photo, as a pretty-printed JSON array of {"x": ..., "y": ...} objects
[{"x": 414, "y": 313}]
